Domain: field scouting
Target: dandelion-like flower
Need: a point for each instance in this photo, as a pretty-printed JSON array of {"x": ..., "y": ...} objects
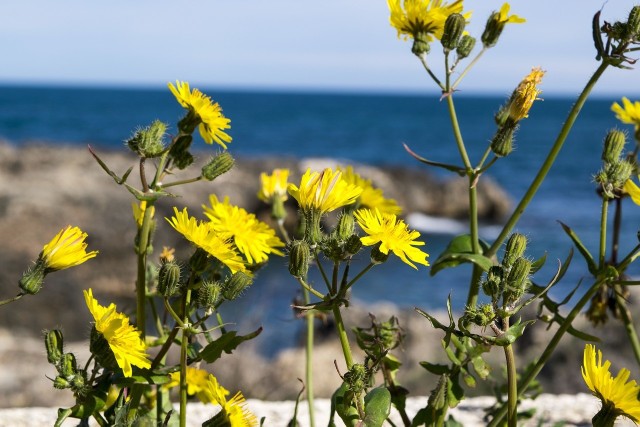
[
  {"x": 628, "y": 112},
  {"x": 253, "y": 238},
  {"x": 203, "y": 237},
  {"x": 392, "y": 234},
  {"x": 123, "y": 338},
  {"x": 274, "y": 187},
  {"x": 234, "y": 411},
  {"x": 505, "y": 18},
  {"x": 525, "y": 94},
  {"x": 415, "y": 18},
  {"x": 197, "y": 384},
  {"x": 324, "y": 192},
  {"x": 619, "y": 397},
  {"x": 211, "y": 121},
  {"x": 371, "y": 197},
  {"x": 66, "y": 249}
]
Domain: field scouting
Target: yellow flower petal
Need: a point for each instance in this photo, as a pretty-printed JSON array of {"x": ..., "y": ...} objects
[
  {"x": 324, "y": 191},
  {"x": 411, "y": 17},
  {"x": 66, "y": 249}
]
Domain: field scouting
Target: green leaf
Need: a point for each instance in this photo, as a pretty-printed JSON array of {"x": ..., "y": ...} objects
[
  {"x": 435, "y": 368},
  {"x": 513, "y": 333},
  {"x": 90, "y": 404},
  {"x": 227, "y": 343},
  {"x": 481, "y": 367},
  {"x": 377, "y": 407},
  {"x": 457, "y": 169},
  {"x": 342, "y": 404},
  {"x": 455, "y": 392},
  {"x": 537, "y": 264},
  {"x": 459, "y": 251},
  {"x": 591, "y": 264}
]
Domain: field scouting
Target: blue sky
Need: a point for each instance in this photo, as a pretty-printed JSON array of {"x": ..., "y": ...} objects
[{"x": 293, "y": 44}]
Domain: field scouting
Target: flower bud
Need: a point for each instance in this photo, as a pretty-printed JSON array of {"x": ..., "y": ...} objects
[
  {"x": 79, "y": 383},
  {"x": 420, "y": 44},
  {"x": 169, "y": 279},
  {"x": 491, "y": 286},
  {"x": 618, "y": 173},
  {"x": 492, "y": 30},
  {"x": 633, "y": 23},
  {"x": 68, "y": 365},
  {"x": 377, "y": 256},
  {"x": 357, "y": 378},
  {"x": 332, "y": 248},
  {"x": 614, "y": 143},
  {"x": 61, "y": 383},
  {"x": 53, "y": 342},
  {"x": 32, "y": 279},
  {"x": 353, "y": 245},
  {"x": 517, "y": 281},
  {"x": 453, "y": 29},
  {"x": 346, "y": 226},
  {"x": 235, "y": 285},
  {"x": 299, "y": 256},
  {"x": 208, "y": 295},
  {"x": 465, "y": 46},
  {"x": 516, "y": 245},
  {"x": 218, "y": 165},
  {"x": 502, "y": 142},
  {"x": 148, "y": 142}
]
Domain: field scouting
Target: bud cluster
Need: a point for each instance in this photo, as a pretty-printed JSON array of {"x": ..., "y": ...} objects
[
  {"x": 148, "y": 142},
  {"x": 616, "y": 169},
  {"x": 69, "y": 376},
  {"x": 381, "y": 337}
]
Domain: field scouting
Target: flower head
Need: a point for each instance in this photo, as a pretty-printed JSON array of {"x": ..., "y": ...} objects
[
  {"x": 415, "y": 18},
  {"x": 203, "y": 237},
  {"x": 66, "y": 249},
  {"x": 371, "y": 197},
  {"x": 211, "y": 121},
  {"x": 324, "y": 192},
  {"x": 392, "y": 234},
  {"x": 619, "y": 397},
  {"x": 628, "y": 112},
  {"x": 274, "y": 186},
  {"x": 123, "y": 338},
  {"x": 234, "y": 411},
  {"x": 253, "y": 238},
  {"x": 525, "y": 94},
  {"x": 197, "y": 384}
]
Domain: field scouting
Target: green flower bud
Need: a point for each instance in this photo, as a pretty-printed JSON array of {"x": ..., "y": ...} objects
[
  {"x": 235, "y": 285},
  {"x": 68, "y": 365},
  {"x": 438, "y": 396},
  {"x": 180, "y": 151},
  {"x": 502, "y": 142},
  {"x": 32, "y": 279},
  {"x": 208, "y": 295},
  {"x": 346, "y": 227},
  {"x": 61, "y": 383},
  {"x": 378, "y": 257},
  {"x": 169, "y": 279},
  {"x": 218, "y": 165},
  {"x": 148, "y": 142},
  {"x": 101, "y": 350},
  {"x": 357, "y": 378},
  {"x": 79, "y": 383},
  {"x": 299, "y": 256},
  {"x": 614, "y": 143},
  {"x": 420, "y": 44},
  {"x": 353, "y": 245},
  {"x": 515, "y": 248},
  {"x": 53, "y": 342},
  {"x": 453, "y": 29},
  {"x": 633, "y": 23},
  {"x": 492, "y": 30},
  {"x": 465, "y": 46},
  {"x": 518, "y": 281},
  {"x": 492, "y": 285},
  {"x": 618, "y": 173},
  {"x": 332, "y": 248}
]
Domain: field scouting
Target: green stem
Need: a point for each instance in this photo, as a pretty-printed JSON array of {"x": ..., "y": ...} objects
[
  {"x": 183, "y": 360},
  {"x": 548, "y": 351},
  {"x": 603, "y": 231},
  {"x": 7, "y": 301},
  {"x": 342, "y": 334},
  {"x": 512, "y": 383},
  {"x": 467, "y": 68},
  {"x": 306, "y": 288},
  {"x": 321, "y": 269},
  {"x": 458, "y": 135},
  {"x": 141, "y": 282},
  {"x": 165, "y": 348},
  {"x": 551, "y": 157},
  {"x": 426, "y": 67},
  {"x": 182, "y": 181},
  {"x": 309, "y": 317},
  {"x": 627, "y": 320},
  {"x": 358, "y": 276}
]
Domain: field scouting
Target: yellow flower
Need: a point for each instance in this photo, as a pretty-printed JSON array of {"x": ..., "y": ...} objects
[
  {"x": 427, "y": 17},
  {"x": 253, "y": 238},
  {"x": 371, "y": 197},
  {"x": 203, "y": 237},
  {"x": 66, "y": 249},
  {"x": 628, "y": 113},
  {"x": 234, "y": 411},
  {"x": 503, "y": 17},
  {"x": 139, "y": 210},
  {"x": 324, "y": 192},
  {"x": 525, "y": 94},
  {"x": 392, "y": 234},
  {"x": 123, "y": 338},
  {"x": 211, "y": 120},
  {"x": 274, "y": 186},
  {"x": 197, "y": 383},
  {"x": 619, "y": 397},
  {"x": 633, "y": 190}
]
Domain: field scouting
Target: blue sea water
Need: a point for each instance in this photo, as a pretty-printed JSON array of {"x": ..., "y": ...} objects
[{"x": 364, "y": 128}]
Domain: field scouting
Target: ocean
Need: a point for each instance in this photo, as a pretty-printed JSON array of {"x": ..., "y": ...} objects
[{"x": 364, "y": 128}]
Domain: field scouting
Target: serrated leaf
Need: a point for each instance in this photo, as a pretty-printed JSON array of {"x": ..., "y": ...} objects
[
  {"x": 459, "y": 251},
  {"x": 377, "y": 407},
  {"x": 591, "y": 264},
  {"x": 226, "y": 343},
  {"x": 435, "y": 368}
]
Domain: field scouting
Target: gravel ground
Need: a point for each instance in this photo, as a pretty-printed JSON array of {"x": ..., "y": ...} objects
[{"x": 571, "y": 410}]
